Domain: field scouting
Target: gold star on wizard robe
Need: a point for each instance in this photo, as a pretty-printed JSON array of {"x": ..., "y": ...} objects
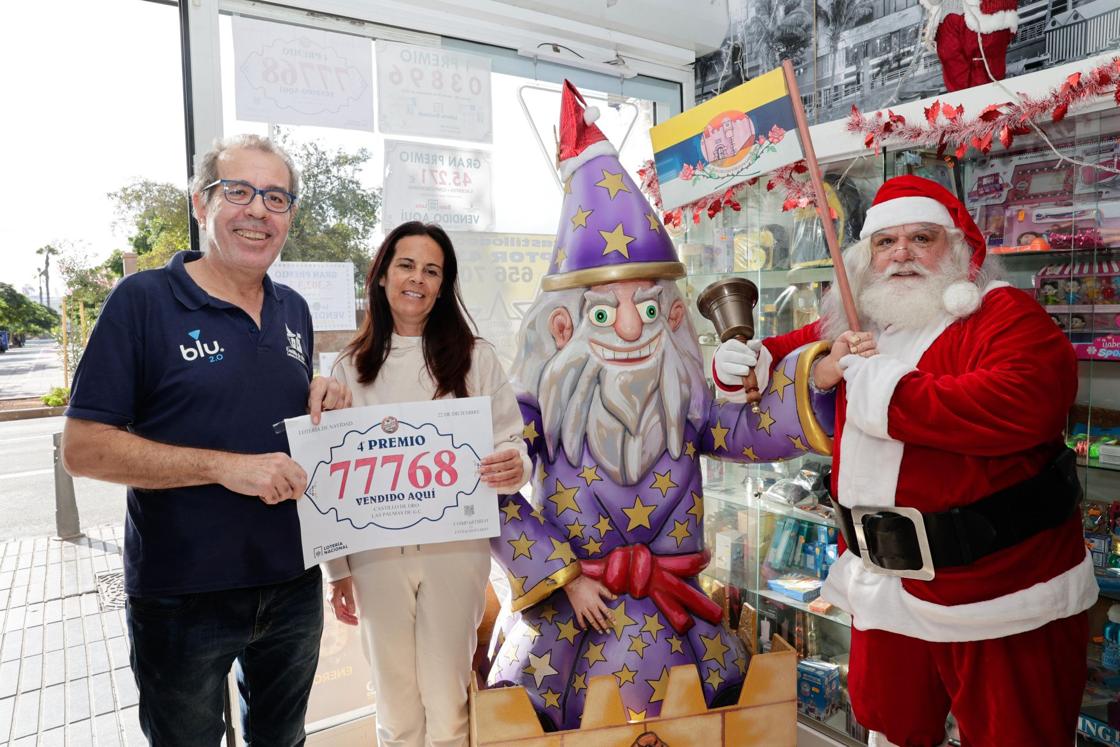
[
  {"x": 780, "y": 383},
  {"x": 612, "y": 183},
  {"x": 617, "y": 241},
  {"x": 542, "y": 667},
  {"x": 663, "y": 482},
  {"x": 579, "y": 220},
  {"x": 660, "y": 686},
  {"x": 714, "y": 649},
  {"x": 564, "y": 498},
  {"x": 638, "y": 514},
  {"x": 719, "y": 436}
]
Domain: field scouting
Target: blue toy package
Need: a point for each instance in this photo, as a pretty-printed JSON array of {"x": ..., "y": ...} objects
[
  {"x": 818, "y": 688},
  {"x": 801, "y": 588}
]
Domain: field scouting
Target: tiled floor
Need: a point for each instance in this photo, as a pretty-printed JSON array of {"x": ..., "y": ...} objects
[{"x": 64, "y": 676}]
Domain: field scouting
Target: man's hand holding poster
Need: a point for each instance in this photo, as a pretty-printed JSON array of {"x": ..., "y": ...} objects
[{"x": 394, "y": 475}]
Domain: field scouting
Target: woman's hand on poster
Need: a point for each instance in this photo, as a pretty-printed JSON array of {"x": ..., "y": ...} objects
[
  {"x": 503, "y": 470},
  {"x": 341, "y": 599},
  {"x": 588, "y": 598}
]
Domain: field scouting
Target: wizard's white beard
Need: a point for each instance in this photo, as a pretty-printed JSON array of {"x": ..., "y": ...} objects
[
  {"x": 909, "y": 303},
  {"x": 630, "y": 413}
]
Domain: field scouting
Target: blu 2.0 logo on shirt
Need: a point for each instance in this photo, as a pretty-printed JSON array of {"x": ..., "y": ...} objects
[{"x": 211, "y": 352}]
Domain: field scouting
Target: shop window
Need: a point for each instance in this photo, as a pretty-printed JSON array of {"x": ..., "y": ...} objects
[{"x": 503, "y": 214}]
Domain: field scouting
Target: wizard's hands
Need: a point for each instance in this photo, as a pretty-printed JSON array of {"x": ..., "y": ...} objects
[
  {"x": 735, "y": 359},
  {"x": 588, "y": 597}
]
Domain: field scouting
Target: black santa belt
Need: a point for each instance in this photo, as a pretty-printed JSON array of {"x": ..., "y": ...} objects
[{"x": 897, "y": 541}]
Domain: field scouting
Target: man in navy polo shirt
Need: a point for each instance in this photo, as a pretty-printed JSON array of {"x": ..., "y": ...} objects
[{"x": 185, "y": 373}]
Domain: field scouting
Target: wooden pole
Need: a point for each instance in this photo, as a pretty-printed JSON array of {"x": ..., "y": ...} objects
[{"x": 842, "y": 286}]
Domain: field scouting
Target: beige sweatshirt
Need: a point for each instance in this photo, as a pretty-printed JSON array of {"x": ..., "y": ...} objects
[{"x": 405, "y": 378}]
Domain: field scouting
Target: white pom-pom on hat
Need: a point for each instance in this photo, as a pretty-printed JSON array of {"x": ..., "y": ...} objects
[
  {"x": 590, "y": 114},
  {"x": 961, "y": 299}
]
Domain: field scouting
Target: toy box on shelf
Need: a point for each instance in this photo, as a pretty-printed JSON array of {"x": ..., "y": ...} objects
[
  {"x": 1081, "y": 298},
  {"x": 1035, "y": 202}
]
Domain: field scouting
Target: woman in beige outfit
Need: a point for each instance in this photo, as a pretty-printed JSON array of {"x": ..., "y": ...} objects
[{"x": 419, "y": 606}]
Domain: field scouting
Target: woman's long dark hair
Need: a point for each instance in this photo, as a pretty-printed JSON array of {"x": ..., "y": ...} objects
[{"x": 448, "y": 336}]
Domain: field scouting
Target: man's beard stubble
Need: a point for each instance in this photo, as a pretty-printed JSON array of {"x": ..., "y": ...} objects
[{"x": 629, "y": 414}]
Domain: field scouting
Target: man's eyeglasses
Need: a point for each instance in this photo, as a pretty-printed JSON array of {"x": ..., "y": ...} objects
[{"x": 242, "y": 193}]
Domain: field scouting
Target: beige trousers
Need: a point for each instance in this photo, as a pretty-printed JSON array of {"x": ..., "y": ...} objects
[{"x": 419, "y": 609}]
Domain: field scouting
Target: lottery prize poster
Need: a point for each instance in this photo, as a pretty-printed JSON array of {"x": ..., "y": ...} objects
[
  {"x": 435, "y": 184},
  {"x": 433, "y": 92},
  {"x": 299, "y": 76},
  {"x": 394, "y": 475}
]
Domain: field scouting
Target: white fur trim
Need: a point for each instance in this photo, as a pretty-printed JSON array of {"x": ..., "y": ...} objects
[
  {"x": 986, "y": 23},
  {"x": 903, "y": 210},
  {"x": 961, "y": 299},
  {"x": 591, "y": 114},
  {"x": 881, "y": 603},
  {"x": 601, "y": 148},
  {"x": 870, "y": 385}
]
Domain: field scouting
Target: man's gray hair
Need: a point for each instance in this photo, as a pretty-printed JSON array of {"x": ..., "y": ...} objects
[{"x": 207, "y": 172}]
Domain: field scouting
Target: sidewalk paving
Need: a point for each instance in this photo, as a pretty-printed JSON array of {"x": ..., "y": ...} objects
[{"x": 64, "y": 674}]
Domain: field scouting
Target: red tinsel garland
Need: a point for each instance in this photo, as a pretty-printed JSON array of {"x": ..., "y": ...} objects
[{"x": 944, "y": 126}]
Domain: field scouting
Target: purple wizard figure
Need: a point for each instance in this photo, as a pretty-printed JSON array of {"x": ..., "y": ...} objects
[{"x": 603, "y": 565}]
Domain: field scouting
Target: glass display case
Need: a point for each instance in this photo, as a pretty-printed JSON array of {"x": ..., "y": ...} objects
[
  {"x": 768, "y": 526},
  {"x": 1055, "y": 227}
]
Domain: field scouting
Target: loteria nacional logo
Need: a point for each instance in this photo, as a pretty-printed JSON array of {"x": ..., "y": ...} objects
[{"x": 211, "y": 352}]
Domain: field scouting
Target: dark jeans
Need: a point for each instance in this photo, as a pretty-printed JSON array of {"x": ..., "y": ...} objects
[{"x": 183, "y": 648}]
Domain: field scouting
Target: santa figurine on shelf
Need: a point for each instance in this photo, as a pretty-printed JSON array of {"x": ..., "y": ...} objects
[
  {"x": 965, "y": 34},
  {"x": 604, "y": 563}
]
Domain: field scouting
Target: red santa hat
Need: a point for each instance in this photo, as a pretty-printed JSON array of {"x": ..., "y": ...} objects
[
  {"x": 580, "y": 139},
  {"x": 912, "y": 199}
]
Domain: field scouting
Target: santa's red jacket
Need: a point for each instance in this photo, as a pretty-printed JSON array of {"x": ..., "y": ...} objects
[{"x": 941, "y": 418}]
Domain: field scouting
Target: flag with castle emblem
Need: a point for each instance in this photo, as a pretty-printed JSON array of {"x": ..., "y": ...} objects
[{"x": 747, "y": 131}]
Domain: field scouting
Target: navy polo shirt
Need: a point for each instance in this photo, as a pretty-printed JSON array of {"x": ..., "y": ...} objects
[{"x": 172, "y": 364}]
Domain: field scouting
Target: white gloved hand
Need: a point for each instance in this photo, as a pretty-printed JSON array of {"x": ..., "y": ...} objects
[{"x": 735, "y": 359}]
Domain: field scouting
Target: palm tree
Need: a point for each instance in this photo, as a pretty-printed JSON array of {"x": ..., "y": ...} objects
[
  {"x": 838, "y": 18},
  {"x": 777, "y": 30},
  {"x": 47, "y": 252}
]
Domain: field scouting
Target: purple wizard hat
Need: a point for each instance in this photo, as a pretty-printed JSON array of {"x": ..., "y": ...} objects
[{"x": 608, "y": 232}]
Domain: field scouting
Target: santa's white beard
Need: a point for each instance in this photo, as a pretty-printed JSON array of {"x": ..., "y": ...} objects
[
  {"x": 629, "y": 414},
  {"x": 912, "y": 302}
]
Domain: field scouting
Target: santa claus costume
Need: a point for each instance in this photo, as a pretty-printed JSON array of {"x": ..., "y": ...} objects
[
  {"x": 956, "y": 30},
  {"x": 961, "y": 421}
]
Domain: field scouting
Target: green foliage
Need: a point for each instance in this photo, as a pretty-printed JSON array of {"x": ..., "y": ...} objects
[
  {"x": 89, "y": 286},
  {"x": 56, "y": 397},
  {"x": 334, "y": 221},
  {"x": 336, "y": 215},
  {"x": 20, "y": 314},
  {"x": 158, "y": 215}
]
